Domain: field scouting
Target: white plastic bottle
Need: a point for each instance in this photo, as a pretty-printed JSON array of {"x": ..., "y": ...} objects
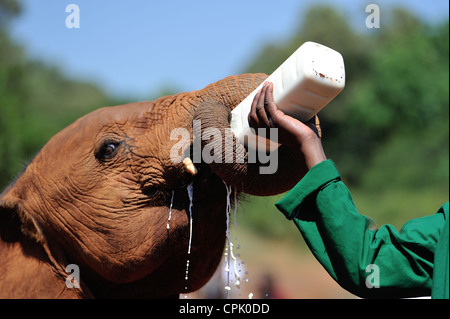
[{"x": 307, "y": 81}]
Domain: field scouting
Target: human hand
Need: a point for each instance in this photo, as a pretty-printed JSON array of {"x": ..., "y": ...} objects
[{"x": 264, "y": 113}]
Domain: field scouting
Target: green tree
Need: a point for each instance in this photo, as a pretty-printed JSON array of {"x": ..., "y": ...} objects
[
  {"x": 8, "y": 10},
  {"x": 388, "y": 131},
  {"x": 396, "y": 85},
  {"x": 36, "y": 100}
]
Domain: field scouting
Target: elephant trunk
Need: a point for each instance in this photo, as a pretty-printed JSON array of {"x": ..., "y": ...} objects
[{"x": 228, "y": 158}]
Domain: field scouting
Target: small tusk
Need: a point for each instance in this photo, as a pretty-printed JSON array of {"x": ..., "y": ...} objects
[{"x": 189, "y": 166}]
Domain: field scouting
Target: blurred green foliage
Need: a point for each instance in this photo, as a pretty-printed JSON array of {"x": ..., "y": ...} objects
[
  {"x": 388, "y": 131},
  {"x": 396, "y": 96},
  {"x": 36, "y": 100}
]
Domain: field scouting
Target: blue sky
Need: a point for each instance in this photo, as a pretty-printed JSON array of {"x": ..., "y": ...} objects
[{"x": 134, "y": 48}]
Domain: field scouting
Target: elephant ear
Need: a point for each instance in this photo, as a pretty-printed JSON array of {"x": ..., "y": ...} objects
[
  {"x": 24, "y": 275},
  {"x": 14, "y": 219},
  {"x": 10, "y": 223}
]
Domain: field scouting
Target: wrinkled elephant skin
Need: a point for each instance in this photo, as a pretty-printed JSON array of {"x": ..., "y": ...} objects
[{"x": 98, "y": 195}]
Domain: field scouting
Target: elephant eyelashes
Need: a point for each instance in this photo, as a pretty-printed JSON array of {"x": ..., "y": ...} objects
[{"x": 107, "y": 150}]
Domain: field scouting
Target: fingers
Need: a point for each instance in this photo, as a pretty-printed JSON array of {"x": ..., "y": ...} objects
[
  {"x": 264, "y": 113},
  {"x": 317, "y": 124},
  {"x": 253, "y": 119},
  {"x": 261, "y": 107},
  {"x": 314, "y": 125},
  {"x": 270, "y": 105},
  {"x": 262, "y": 103}
]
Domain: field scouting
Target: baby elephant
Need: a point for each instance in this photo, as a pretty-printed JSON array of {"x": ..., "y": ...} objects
[{"x": 103, "y": 210}]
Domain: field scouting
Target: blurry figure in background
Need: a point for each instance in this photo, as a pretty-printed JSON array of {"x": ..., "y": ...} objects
[
  {"x": 268, "y": 289},
  {"x": 365, "y": 260},
  {"x": 216, "y": 286}
]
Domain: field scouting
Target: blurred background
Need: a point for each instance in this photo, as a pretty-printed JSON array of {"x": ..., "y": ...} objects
[{"x": 388, "y": 131}]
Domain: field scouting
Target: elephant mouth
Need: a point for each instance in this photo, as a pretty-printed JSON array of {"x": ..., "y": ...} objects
[{"x": 189, "y": 242}]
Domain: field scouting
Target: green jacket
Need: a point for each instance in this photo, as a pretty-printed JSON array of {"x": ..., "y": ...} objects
[{"x": 363, "y": 259}]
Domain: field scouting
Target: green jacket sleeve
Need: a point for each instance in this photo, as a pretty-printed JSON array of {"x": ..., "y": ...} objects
[{"x": 365, "y": 260}]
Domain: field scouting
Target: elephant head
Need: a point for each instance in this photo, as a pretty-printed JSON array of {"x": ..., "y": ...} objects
[{"x": 99, "y": 195}]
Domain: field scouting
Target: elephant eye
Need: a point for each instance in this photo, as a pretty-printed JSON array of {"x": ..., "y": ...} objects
[{"x": 107, "y": 150}]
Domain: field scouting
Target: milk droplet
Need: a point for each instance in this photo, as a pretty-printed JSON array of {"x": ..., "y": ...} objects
[
  {"x": 250, "y": 295},
  {"x": 235, "y": 207},
  {"x": 170, "y": 210},
  {"x": 190, "y": 190},
  {"x": 230, "y": 243}
]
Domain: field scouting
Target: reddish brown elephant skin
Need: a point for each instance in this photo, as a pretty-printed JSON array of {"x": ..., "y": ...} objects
[{"x": 98, "y": 194}]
